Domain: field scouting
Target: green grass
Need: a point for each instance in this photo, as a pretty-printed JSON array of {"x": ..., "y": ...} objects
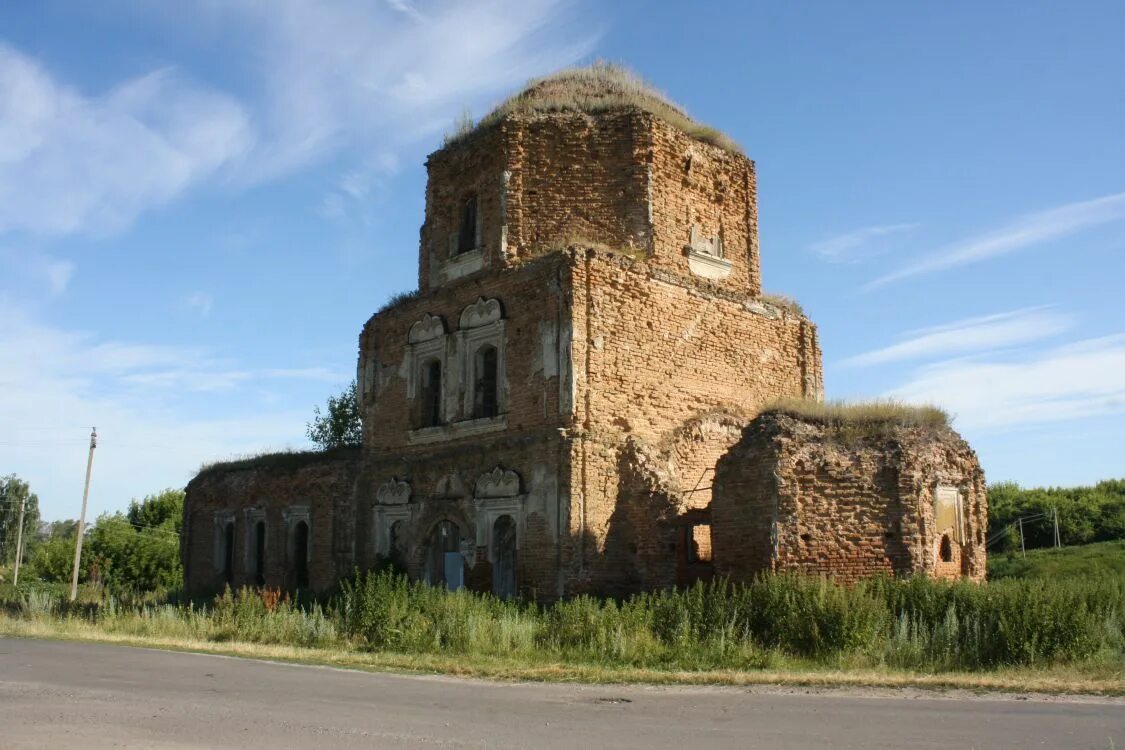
[
  {"x": 594, "y": 88},
  {"x": 277, "y": 461},
  {"x": 852, "y": 421},
  {"x": 780, "y": 625},
  {"x": 1064, "y": 564}
]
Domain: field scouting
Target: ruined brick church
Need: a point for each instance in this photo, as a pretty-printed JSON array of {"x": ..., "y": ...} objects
[{"x": 572, "y": 401}]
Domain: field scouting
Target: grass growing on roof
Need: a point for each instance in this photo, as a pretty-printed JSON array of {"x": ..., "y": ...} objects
[
  {"x": 280, "y": 460},
  {"x": 784, "y": 302},
  {"x": 861, "y": 419},
  {"x": 594, "y": 88}
]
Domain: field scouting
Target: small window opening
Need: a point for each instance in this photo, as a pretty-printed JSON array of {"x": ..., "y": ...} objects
[
  {"x": 430, "y": 406},
  {"x": 260, "y": 553},
  {"x": 301, "y": 554},
  {"x": 699, "y": 543},
  {"x": 228, "y": 553},
  {"x": 394, "y": 541},
  {"x": 806, "y": 537},
  {"x": 946, "y": 549},
  {"x": 485, "y": 401},
  {"x": 467, "y": 236}
]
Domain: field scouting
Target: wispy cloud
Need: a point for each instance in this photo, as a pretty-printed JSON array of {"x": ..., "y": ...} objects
[
  {"x": 1083, "y": 379},
  {"x": 1024, "y": 232},
  {"x": 343, "y": 80},
  {"x": 155, "y": 428},
  {"x": 200, "y": 302},
  {"x": 76, "y": 163},
  {"x": 969, "y": 335},
  {"x": 855, "y": 245},
  {"x": 32, "y": 266}
]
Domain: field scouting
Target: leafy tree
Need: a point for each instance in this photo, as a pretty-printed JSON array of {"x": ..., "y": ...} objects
[
  {"x": 1086, "y": 514},
  {"x": 139, "y": 550},
  {"x": 13, "y": 492},
  {"x": 340, "y": 425},
  {"x": 54, "y": 557}
]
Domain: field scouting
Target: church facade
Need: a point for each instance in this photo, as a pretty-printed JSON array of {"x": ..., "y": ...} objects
[{"x": 544, "y": 416}]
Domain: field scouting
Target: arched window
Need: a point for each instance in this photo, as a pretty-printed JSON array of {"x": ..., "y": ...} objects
[
  {"x": 444, "y": 563},
  {"x": 430, "y": 394},
  {"x": 228, "y": 553},
  {"x": 467, "y": 235},
  {"x": 946, "y": 549},
  {"x": 301, "y": 555},
  {"x": 504, "y": 557},
  {"x": 260, "y": 553},
  {"x": 485, "y": 397}
]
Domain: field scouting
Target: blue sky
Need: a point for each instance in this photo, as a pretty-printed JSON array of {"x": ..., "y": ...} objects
[{"x": 201, "y": 203}]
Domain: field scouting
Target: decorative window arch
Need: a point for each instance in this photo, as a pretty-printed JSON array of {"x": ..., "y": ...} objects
[
  {"x": 428, "y": 377},
  {"x": 481, "y": 342}
]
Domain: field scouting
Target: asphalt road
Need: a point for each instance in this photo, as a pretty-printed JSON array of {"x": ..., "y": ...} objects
[{"x": 55, "y": 694}]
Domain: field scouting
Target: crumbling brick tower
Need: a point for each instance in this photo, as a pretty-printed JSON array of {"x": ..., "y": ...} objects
[{"x": 589, "y": 336}]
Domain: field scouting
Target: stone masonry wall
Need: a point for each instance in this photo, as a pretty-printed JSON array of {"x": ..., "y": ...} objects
[
  {"x": 280, "y": 491},
  {"x": 793, "y": 495}
]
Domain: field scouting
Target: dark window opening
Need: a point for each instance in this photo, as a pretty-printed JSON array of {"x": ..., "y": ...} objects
[
  {"x": 699, "y": 543},
  {"x": 260, "y": 553},
  {"x": 946, "y": 549},
  {"x": 485, "y": 400},
  {"x": 301, "y": 554},
  {"x": 228, "y": 553},
  {"x": 444, "y": 564},
  {"x": 394, "y": 541},
  {"x": 504, "y": 557},
  {"x": 467, "y": 236},
  {"x": 430, "y": 396}
]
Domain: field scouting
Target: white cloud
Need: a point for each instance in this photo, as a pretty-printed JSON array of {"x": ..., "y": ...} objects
[
  {"x": 1024, "y": 232},
  {"x": 371, "y": 77},
  {"x": 1084, "y": 379},
  {"x": 74, "y": 163},
  {"x": 200, "y": 302},
  {"x": 155, "y": 427},
  {"x": 851, "y": 246},
  {"x": 969, "y": 335}
]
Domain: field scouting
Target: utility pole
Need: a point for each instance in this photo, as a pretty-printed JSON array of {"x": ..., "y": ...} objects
[
  {"x": 19, "y": 541},
  {"x": 1023, "y": 549},
  {"x": 1058, "y": 539},
  {"x": 82, "y": 518}
]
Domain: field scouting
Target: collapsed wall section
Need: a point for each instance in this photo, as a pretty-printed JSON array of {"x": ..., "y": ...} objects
[{"x": 848, "y": 501}]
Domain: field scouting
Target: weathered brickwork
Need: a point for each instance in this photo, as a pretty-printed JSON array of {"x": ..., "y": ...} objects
[
  {"x": 544, "y": 417},
  {"x": 314, "y": 489},
  {"x": 793, "y": 495}
]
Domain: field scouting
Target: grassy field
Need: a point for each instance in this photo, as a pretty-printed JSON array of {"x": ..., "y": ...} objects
[
  {"x": 1064, "y": 563},
  {"x": 1014, "y": 634}
]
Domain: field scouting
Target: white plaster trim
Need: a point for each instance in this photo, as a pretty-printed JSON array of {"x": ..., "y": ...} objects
[
  {"x": 708, "y": 266},
  {"x": 499, "y": 482},
  {"x": 252, "y": 516},
  {"x": 393, "y": 492},
  {"x": 480, "y": 313},
  {"x": 384, "y": 518},
  {"x": 491, "y": 509},
  {"x": 455, "y": 430},
  {"x": 221, "y": 518},
  {"x": 462, "y": 265},
  {"x": 428, "y": 328},
  {"x": 469, "y": 342}
]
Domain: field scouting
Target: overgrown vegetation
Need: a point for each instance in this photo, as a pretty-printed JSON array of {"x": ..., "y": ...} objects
[
  {"x": 850, "y": 421},
  {"x": 593, "y": 88},
  {"x": 916, "y": 625},
  {"x": 784, "y": 302},
  {"x": 399, "y": 298},
  {"x": 1085, "y": 514}
]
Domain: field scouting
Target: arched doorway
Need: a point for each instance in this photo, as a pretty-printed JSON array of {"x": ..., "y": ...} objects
[
  {"x": 504, "y": 557},
  {"x": 444, "y": 563},
  {"x": 301, "y": 554}
]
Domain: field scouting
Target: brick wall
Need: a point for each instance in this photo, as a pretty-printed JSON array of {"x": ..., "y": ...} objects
[
  {"x": 274, "y": 489},
  {"x": 846, "y": 507}
]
